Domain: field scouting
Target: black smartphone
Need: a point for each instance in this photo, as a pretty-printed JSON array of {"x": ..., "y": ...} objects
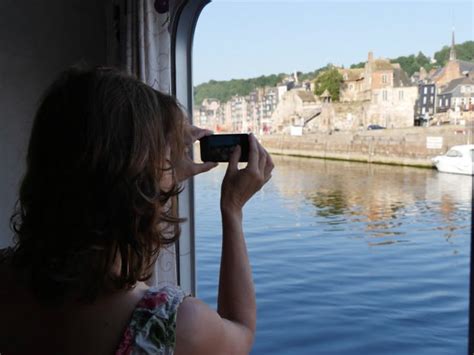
[{"x": 219, "y": 147}]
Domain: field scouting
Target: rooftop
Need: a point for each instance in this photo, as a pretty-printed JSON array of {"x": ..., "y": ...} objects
[
  {"x": 453, "y": 84},
  {"x": 306, "y": 96},
  {"x": 352, "y": 74},
  {"x": 383, "y": 64}
]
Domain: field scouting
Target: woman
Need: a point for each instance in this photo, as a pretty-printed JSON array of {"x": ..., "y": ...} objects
[{"x": 105, "y": 159}]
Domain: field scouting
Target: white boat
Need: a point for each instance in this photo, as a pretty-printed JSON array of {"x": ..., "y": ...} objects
[{"x": 457, "y": 160}]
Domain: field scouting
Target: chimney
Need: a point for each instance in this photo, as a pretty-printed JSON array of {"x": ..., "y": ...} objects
[{"x": 371, "y": 57}]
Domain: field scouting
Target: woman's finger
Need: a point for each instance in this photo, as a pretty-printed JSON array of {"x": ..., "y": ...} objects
[
  {"x": 198, "y": 133},
  {"x": 234, "y": 160},
  {"x": 263, "y": 156},
  {"x": 253, "y": 152},
  {"x": 269, "y": 166}
]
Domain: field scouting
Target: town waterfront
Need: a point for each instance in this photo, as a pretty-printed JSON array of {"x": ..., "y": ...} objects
[{"x": 350, "y": 258}]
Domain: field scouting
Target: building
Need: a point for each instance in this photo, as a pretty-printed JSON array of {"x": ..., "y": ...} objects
[
  {"x": 296, "y": 108},
  {"x": 208, "y": 114},
  {"x": 352, "y": 88},
  {"x": 239, "y": 114},
  {"x": 458, "y": 95},
  {"x": 269, "y": 102},
  {"x": 425, "y": 103},
  {"x": 386, "y": 89}
]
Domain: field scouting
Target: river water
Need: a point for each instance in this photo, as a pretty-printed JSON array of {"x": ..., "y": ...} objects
[{"x": 350, "y": 258}]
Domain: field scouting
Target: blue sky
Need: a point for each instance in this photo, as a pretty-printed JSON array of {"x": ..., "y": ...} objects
[{"x": 248, "y": 38}]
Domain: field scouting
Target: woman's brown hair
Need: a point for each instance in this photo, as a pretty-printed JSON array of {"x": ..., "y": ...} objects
[{"x": 93, "y": 190}]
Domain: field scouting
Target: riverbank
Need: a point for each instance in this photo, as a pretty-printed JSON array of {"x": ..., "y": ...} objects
[{"x": 414, "y": 146}]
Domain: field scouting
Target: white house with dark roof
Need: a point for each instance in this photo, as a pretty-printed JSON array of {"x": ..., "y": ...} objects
[{"x": 457, "y": 95}]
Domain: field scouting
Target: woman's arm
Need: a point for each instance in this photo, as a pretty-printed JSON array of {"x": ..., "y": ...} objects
[{"x": 232, "y": 329}]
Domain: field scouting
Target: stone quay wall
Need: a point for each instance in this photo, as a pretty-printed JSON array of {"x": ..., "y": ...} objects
[{"x": 404, "y": 146}]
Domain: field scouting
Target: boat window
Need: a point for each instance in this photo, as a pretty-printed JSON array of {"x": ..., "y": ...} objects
[
  {"x": 349, "y": 253},
  {"x": 454, "y": 154}
]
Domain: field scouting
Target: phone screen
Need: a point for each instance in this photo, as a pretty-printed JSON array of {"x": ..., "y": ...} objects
[{"x": 219, "y": 147}]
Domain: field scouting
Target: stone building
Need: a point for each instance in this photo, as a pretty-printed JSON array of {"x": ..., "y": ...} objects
[
  {"x": 296, "y": 108},
  {"x": 387, "y": 92},
  {"x": 360, "y": 83},
  {"x": 352, "y": 88},
  {"x": 392, "y": 106}
]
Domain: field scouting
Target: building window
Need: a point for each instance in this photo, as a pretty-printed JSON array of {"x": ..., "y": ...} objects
[
  {"x": 425, "y": 90},
  {"x": 384, "y": 78},
  {"x": 400, "y": 95},
  {"x": 384, "y": 95},
  {"x": 424, "y": 100}
]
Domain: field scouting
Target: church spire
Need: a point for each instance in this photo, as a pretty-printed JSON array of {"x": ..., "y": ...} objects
[{"x": 452, "y": 52}]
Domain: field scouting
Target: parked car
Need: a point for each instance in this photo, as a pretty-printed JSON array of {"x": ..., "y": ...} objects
[{"x": 374, "y": 126}]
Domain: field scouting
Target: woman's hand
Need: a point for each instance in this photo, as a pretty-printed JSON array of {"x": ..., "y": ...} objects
[
  {"x": 186, "y": 167},
  {"x": 239, "y": 186}
]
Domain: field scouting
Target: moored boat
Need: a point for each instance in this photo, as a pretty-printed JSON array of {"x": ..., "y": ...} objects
[{"x": 457, "y": 160}]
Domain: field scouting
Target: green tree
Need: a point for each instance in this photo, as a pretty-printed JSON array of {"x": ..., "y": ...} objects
[
  {"x": 358, "y": 65},
  {"x": 331, "y": 80},
  {"x": 464, "y": 51},
  {"x": 411, "y": 64},
  {"x": 224, "y": 90}
]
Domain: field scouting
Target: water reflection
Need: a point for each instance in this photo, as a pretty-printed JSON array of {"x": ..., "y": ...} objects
[
  {"x": 378, "y": 200},
  {"x": 358, "y": 258}
]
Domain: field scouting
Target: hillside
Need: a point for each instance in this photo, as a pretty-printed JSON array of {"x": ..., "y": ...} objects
[{"x": 225, "y": 89}]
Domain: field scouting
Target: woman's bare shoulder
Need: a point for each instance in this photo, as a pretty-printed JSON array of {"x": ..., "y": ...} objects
[{"x": 218, "y": 336}]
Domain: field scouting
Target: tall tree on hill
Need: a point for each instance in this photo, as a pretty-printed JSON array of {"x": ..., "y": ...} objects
[
  {"x": 411, "y": 64},
  {"x": 331, "y": 80}
]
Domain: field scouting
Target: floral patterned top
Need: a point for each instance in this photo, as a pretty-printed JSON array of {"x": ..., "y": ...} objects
[{"x": 152, "y": 329}]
